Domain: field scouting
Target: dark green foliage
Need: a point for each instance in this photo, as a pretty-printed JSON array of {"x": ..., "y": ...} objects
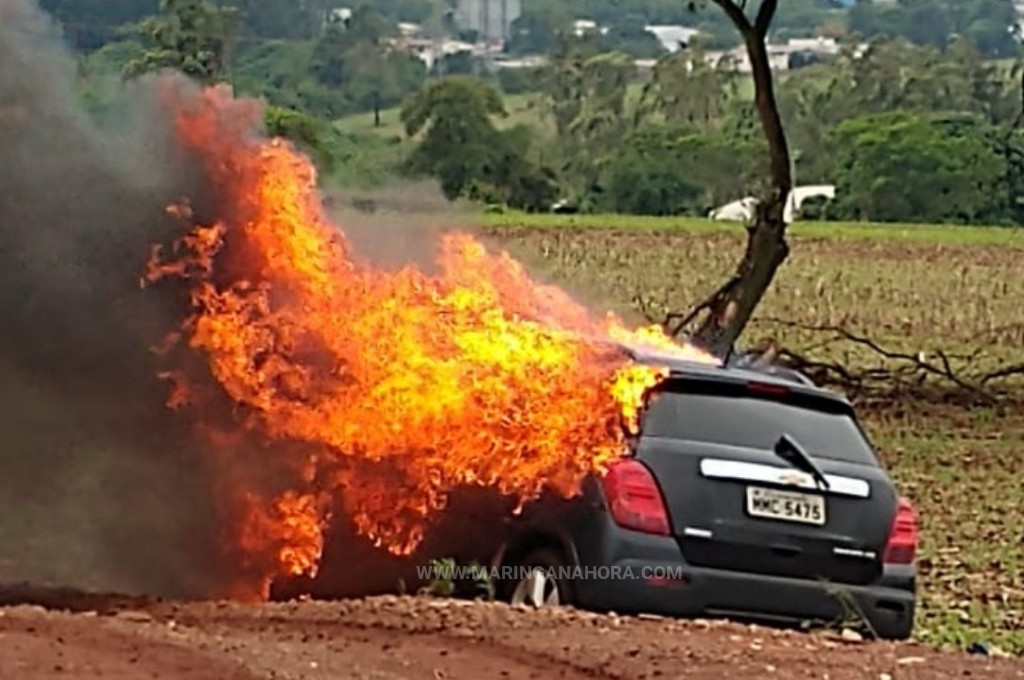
[
  {"x": 629, "y": 36},
  {"x": 455, "y": 116},
  {"x": 584, "y": 91},
  {"x": 520, "y": 80},
  {"x": 906, "y": 167},
  {"x": 352, "y": 61},
  {"x": 90, "y": 24},
  {"x": 353, "y": 160},
  {"x": 662, "y": 170},
  {"x": 417, "y": 11},
  {"x": 279, "y": 20},
  {"x": 985, "y": 24},
  {"x": 650, "y": 176},
  {"x": 537, "y": 32},
  {"x": 456, "y": 64},
  {"x": 311, "y": 135},
  {"x": 191, "y": 36},
  {"x": 462, "y": 148}
]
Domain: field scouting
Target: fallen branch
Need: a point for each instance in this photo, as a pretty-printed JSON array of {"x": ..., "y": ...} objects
[
  {"x": 919, "y": 360},
  {"x": 1005, "y": 372},
  {"x": 821, "y": 371},
  {"x": 905, "y": 373},
  {"x": 909, "y": 374}
]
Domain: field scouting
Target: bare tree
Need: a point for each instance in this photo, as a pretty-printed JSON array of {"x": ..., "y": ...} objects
[{"x": 730, "y": 308}]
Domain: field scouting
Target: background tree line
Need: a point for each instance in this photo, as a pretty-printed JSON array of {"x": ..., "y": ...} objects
[
  {"x": 905, "y": 133},
  {"x": 912, "y": 129},
  {"x": 983, "y": 23}
]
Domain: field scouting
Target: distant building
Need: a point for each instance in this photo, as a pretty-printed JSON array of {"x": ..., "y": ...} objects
[
  {"x": 407, "y": 30},
  {"x": 820, "y": 46},
  {"x": 496, "y": 62},
  {"x": 780, "y": 56},
  {"x": 431, "y": 51},
  {"x": 672, "y": 38},
  {"x": 491, "y": 19},
  {"x": 338, "y": 15}
]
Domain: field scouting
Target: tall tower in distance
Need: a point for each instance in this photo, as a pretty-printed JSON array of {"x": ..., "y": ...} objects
[{"x": 492, "y": 19}]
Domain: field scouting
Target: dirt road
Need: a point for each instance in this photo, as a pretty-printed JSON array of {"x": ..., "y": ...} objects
[{"x": 391, "y": 638}]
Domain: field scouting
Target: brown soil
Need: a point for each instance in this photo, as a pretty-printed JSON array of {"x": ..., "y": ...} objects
[{"x": 73, "y": 636}]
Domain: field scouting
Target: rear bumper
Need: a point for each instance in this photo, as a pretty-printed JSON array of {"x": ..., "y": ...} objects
[
  {"x": 681, "y": 590},
  {"x": 647, "y": 574}
]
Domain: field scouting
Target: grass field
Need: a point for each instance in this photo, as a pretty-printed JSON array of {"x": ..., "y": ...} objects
[
  {"x": 520, "y": 109},
  {"x": 924, "y": 233},
  {"x": 913, "y": 289}
]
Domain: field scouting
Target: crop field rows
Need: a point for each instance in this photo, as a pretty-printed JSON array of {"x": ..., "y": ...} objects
[{"x": 916, "y": 291}]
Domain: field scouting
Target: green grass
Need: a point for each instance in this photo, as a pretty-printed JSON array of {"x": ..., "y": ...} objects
[
  {"x": 913, "y": 288},
  {"x": 521, "y": 109},
  {"x": 963, "y": 471},
  {"x": 390, "y": 123},
  {"x": 920, "y": 233}
]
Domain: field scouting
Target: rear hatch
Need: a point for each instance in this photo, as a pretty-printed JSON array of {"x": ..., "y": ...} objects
[{"x": 736, "y": 504}]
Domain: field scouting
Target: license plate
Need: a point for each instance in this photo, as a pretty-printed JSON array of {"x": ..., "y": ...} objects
[{"x": 788, "y": 506}]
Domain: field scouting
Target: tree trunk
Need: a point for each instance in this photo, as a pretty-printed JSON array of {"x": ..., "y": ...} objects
[{"x": 731, "y": 309}]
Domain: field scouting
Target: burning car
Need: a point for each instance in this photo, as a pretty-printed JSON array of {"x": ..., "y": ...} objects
[{"x": 330, "y": 392}]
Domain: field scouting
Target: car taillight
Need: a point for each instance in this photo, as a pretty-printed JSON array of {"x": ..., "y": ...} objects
[
  {"x": 634, "y": 498},
  {"x": 902, "y": 545}
]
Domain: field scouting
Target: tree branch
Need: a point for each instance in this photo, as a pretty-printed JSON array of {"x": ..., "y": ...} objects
[
  {"x": 765, "y": 14},
  {"x": 1005, "y": 372},
  {"x": 736, "y": 15},
  {"x": 674, "y": 323},
  {"x": 766, "y": 243}
]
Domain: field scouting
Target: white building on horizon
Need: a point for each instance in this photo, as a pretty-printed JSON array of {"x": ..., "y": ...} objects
[
  {"x": 672, "y": 38},
  {"x": 492, "y": 19}
]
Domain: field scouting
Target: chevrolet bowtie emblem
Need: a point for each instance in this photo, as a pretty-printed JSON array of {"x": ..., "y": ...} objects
[{"x": 793, "y": 479}]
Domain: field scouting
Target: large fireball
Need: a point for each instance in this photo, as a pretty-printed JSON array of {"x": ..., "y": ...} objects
[{"x": 476, "y": 375}]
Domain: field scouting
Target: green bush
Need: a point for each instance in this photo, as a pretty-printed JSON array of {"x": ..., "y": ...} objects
[
  {"x": 311, "y": 135},
  {"x": 911, "y": 167}
]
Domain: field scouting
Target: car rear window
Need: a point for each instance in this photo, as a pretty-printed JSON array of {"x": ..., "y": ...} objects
[{"x": 755, "y": 422}]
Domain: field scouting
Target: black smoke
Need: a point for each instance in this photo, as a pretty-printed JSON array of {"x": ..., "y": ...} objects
[{"x": 99, "y": 484}]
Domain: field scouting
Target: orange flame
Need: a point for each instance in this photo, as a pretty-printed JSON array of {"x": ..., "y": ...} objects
[{"x": 474, "y": 376}]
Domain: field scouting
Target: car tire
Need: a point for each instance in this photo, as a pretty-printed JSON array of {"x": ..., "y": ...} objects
[
  {"x": 898, "y": 630},
  {"x": 538, "y": 583},
  {"x": 290, "y": 588}
]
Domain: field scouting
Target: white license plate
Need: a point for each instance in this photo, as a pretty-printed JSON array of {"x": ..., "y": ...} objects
[{"x": 788, "y": 506}]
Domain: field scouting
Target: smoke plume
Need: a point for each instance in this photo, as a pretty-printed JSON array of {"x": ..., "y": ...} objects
[{"x": 98, "y": 487}]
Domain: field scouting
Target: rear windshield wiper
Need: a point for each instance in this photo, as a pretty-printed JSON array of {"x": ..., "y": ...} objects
[{"x": 788, "y": 450}]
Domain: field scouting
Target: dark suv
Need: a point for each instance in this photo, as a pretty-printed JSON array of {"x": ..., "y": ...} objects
[{"x": 749, "y": 494}]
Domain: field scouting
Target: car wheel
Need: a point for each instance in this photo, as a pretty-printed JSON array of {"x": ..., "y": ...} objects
[
  {"x": 291, "y": 588},
  {"x": 539, "y": 583}
]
